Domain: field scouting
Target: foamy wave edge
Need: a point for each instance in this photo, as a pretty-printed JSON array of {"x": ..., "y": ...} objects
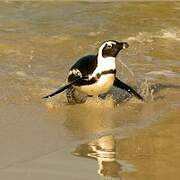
[{"x": 149, "y": 37}]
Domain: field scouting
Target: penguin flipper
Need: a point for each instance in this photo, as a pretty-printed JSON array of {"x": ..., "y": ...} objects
[
  {"x": 122, "y": 85},
  {"x": 61, "y": 89}
]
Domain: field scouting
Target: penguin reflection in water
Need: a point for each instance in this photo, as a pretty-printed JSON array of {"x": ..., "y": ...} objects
[
  {"x": 94, "y": 75},
  {"x": 105, "y": 151}
]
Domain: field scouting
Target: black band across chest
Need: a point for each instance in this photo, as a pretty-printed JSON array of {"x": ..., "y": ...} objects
[{"x": 84, "y": 81}]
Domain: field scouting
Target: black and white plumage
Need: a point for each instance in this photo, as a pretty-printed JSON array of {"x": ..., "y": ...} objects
[{"x": 95, "y": 74}]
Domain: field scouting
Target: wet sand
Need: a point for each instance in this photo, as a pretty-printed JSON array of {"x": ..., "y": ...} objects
[{"x": 119, "y": 137}]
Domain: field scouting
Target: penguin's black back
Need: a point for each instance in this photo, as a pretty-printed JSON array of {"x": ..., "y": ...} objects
[{"x": 86, "y": 65}]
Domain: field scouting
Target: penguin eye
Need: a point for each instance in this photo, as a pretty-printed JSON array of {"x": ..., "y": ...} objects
[{"x": 109, "y": 46}]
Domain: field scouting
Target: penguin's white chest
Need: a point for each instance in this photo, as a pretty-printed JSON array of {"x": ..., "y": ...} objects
[
  {"x": 105, "y": 81},
  {"x": 104, "y": 84}
]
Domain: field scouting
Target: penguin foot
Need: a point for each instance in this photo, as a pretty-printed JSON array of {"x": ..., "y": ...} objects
[{"x": 75, "y": 97}]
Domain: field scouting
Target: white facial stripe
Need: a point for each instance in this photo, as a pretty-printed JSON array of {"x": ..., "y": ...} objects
[
  {"x": 110, "y": 43},
  {"x": 103, "y": 45}
]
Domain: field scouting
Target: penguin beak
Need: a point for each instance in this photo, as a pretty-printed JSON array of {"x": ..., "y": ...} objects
[
  {"x": 125, "y": 45},
  {"x": 122, "y": 45}
]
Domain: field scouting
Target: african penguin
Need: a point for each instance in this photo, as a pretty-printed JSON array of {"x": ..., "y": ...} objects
[{"x": 94, "y": 75}]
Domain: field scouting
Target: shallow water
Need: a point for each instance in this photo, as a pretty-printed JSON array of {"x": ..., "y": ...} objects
[{"x": 43, "y": 139}]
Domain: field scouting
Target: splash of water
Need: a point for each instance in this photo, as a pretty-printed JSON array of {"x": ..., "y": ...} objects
[
  {"x": 97, "y": 102},
  {"x": 146, "y": 91},
  {"x": 126, "y": 67}
]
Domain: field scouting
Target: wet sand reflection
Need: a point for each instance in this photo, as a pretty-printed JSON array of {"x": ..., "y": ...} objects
[{"x": 103, "y": 150}]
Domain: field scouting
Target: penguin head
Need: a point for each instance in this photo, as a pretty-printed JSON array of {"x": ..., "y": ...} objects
[{"x": 111, "y": 48}]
